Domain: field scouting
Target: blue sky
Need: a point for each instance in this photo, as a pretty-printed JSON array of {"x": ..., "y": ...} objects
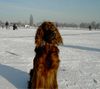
[{"x": 55, "y": 10}]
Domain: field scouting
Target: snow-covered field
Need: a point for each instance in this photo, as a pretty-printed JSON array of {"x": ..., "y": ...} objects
[{"x": 80, "y": 58}]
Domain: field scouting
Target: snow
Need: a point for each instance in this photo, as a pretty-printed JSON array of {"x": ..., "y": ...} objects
[{"x": 79, "y": 58}]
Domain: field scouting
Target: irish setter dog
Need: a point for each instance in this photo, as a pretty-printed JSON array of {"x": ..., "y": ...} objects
[{"x": 46, "y": 62}]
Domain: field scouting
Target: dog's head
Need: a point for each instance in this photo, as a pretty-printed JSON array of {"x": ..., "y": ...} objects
[{"x": 47, "y": 32}]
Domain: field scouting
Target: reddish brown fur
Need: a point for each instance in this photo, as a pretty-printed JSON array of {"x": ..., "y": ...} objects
[
  {"x": 40, "y": 33},
  {"x": 46, "y": 61}
]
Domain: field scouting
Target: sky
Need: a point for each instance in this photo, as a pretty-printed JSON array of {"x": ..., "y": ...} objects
[{"x": 70, "y": 11}]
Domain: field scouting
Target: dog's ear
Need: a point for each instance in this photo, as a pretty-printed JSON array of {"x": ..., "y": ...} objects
[
  {"x": 39, "y": 37},
  {"x": 58, "y": 37},
  {"x": 53, "y": 33}
]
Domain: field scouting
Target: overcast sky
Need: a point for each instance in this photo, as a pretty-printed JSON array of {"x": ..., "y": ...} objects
[{"x": 54, "y": 10}]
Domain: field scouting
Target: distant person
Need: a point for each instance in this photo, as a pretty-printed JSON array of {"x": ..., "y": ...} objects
[
  {"x": 6, "y": 24},
  {"x": 90, "y": 27},
  {"x": 14, "y": 26}
]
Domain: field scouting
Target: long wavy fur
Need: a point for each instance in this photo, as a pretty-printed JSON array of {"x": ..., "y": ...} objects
[{"x": 46, "y": 62}]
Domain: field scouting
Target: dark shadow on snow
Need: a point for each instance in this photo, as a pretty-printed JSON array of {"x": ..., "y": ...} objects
[
  {"x": 12, "y": 53},
  {"x": 15, "y": 76},
  {"x": 82, "y": 48}
]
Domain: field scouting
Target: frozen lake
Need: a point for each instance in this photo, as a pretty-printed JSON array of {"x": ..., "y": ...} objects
[{"x": 80, "y": 58}]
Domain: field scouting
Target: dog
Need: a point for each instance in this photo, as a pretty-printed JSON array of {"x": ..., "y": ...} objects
[{"x": 46, "y": 61}]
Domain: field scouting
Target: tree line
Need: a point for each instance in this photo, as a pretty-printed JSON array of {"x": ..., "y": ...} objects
[{"x": 93, "y": 24}]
